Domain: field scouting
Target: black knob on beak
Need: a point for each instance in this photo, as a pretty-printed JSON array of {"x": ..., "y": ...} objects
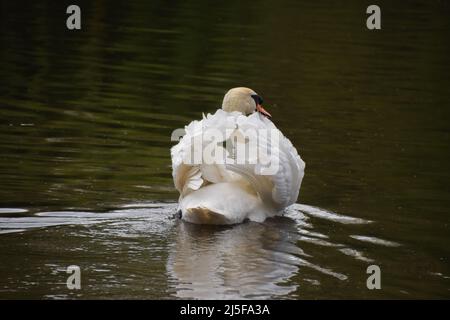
[{"x": 258, "y": 99}]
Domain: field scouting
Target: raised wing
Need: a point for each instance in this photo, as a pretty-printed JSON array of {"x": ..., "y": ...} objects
[
  {"x": 259, "y": 153},
  {"x": 189, "y": 170},
  {"x": 278, "y": 181}
]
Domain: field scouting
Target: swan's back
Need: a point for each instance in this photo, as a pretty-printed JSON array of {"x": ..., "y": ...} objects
[{"x": 257, "y": 161}]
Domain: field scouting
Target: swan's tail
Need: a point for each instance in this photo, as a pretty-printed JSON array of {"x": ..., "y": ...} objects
[{"x": 222, "y": 203}]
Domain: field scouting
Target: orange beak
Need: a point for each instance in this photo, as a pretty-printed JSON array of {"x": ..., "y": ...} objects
[{"x": 260, "y": 109}]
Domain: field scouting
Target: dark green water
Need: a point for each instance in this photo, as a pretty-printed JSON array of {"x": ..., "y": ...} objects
[{"x": 85, "y": 124}]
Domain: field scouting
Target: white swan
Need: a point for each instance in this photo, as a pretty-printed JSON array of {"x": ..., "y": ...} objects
[{"x": 235, "y": 164}]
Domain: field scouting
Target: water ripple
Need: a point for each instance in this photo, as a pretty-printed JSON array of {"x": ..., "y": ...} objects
[{"x": 246, "y": 261}]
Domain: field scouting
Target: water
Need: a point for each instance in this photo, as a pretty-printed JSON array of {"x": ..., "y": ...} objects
[{"x": 85, "y": 124}]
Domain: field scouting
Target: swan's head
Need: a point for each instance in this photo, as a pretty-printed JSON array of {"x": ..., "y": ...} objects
[{"x": 243, "y": 100}]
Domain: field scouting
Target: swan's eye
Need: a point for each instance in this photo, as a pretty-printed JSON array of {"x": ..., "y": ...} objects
[{"x": 258, "y": 99}]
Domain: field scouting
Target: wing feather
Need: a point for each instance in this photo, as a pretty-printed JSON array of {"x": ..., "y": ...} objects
[{"x": 279, "y": 189}]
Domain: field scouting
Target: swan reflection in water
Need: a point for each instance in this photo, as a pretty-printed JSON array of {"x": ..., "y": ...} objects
[{"x": 250, "y": 260}]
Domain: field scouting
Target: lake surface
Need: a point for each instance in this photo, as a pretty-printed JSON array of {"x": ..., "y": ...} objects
[{"x": 85, "y": 124}]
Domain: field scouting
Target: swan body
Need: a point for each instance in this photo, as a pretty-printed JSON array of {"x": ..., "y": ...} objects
[{"x": 250, "y": 172}]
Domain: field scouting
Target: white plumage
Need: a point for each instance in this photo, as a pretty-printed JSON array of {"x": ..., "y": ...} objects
[{"x": 235, "y": 189}]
